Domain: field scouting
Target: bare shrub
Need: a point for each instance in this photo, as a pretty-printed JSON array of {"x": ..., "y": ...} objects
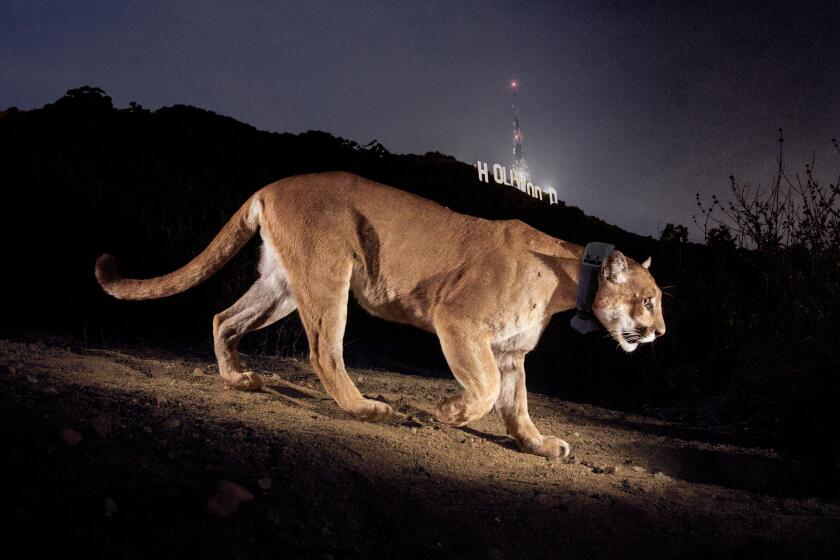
[
  {"x": 792, "y": 212},
  {"x": 780, "y": 246}
]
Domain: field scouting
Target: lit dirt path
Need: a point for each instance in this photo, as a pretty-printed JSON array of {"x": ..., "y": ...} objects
[{"x": 157, "y": 436}]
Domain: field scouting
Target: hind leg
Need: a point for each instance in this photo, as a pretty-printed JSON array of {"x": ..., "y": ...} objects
[
  {"x": 512, "y": 407},
  {"x": 267, "y": 301},
  {"x": 322, "y": 299}
]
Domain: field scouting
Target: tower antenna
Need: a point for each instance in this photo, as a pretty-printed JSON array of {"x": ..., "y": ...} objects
[{"x": 520, "y": 168}]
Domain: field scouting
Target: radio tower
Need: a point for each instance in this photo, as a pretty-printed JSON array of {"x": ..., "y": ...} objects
[{"x": 520, "y": 168}]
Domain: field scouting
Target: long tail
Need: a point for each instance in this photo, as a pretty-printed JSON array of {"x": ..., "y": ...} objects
[{"x": 229, "y": 241}]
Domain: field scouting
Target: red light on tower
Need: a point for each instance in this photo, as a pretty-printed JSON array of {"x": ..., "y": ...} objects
[{"x": 520, "y": 169}]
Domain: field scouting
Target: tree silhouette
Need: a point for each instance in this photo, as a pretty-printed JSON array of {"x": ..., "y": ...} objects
[
  {"x": 677, "y": 234},
  {"x": 720, "y": 237}
]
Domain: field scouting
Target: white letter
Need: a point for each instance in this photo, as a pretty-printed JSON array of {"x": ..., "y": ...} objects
[
  {"x": 482, "y": 172},
  {"x": 552, "y": 195},
  {"x": 498, "y": 174},
  {"x": 537, "y": 192}
]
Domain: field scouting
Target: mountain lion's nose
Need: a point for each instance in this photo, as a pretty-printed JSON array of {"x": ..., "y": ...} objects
[{"x": 659, "y": 331}]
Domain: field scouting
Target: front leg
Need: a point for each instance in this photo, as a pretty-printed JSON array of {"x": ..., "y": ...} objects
[
  {"x": 512, "y": 407},
  {"x": 468, "y": 353}
]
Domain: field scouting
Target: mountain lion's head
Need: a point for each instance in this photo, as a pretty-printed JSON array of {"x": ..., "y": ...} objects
[{"x": 628, "y": 302}]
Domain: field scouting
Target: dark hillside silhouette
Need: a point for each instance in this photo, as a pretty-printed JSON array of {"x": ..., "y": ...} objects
[{"x": 80, "y": 177}]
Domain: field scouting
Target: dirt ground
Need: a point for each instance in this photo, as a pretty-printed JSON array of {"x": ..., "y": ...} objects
[{"x": 133, "y": 453}]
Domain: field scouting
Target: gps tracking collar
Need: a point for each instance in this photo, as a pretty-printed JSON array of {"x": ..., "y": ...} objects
[{"x": 593, "y": 259}]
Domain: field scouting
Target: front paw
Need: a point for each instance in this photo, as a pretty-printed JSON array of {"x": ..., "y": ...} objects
[
  {"x": 452, "y": 412},
  {"x": 554, "y": 447},
  {"x": 549, "y": 447}
]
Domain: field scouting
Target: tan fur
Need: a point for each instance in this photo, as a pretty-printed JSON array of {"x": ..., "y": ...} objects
[{"x": 486, "y": 288}]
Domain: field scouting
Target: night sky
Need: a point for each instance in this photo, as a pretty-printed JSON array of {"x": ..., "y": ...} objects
[{"x": 627, "y": 112}]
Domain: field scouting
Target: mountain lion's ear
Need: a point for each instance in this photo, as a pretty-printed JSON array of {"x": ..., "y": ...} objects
[
  {"x": 646, "y": 264},
  {"x": 615, "y": 268}
]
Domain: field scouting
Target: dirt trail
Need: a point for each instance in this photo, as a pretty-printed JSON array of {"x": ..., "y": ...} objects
[{"x": 157, "y": 436}]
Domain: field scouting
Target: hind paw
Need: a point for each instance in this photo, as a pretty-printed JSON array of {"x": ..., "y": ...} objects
[
  {"x": 371, "y": 411},
  {"x": 243, "y": 381}
]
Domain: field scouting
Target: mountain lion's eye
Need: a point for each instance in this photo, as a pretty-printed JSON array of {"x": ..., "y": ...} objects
[{"x": 648, "y": 303}]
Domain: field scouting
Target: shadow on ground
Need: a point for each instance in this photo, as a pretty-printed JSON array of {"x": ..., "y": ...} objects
[{"x": 341, "y": 489}]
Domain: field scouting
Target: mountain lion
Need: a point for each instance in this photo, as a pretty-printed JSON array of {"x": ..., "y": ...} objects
[{"x": 486, "y": 288}]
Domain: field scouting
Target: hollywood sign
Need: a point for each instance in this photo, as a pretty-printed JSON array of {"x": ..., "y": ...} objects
[{"x": 504, "y": 176}]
